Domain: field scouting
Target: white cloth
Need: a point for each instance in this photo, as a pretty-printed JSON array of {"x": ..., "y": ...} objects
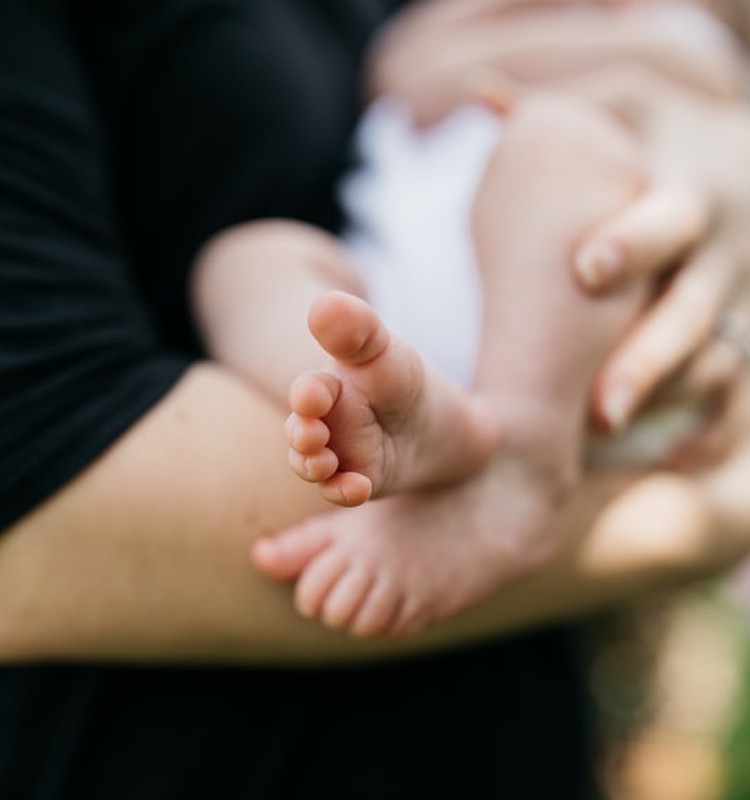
[{"x": 408, "y": 208}]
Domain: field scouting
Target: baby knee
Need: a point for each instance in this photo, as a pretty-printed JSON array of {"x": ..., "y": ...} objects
[{"x": 550, "y": 127}]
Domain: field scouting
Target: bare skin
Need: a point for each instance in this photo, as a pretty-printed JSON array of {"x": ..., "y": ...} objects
[
  {"x": 380, "y": 421},
  {"x": 400, "y": 567},
  {"x": 544, "y": 340},
  {"x": 67, "y": 590}
]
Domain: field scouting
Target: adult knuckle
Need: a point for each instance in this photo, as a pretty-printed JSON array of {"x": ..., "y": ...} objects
[{"x": 695, "y": 315}]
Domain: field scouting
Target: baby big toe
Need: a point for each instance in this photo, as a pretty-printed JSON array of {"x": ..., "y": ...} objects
[{"x": 283, "y": 557}]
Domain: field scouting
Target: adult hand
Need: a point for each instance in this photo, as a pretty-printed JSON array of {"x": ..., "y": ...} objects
[
  {"x": 696, "y": 216},
  {"x": 435, "y": 57},
  {"x": 697, "y": 522}
]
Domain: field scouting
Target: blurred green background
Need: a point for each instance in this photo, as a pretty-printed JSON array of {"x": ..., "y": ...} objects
[{"x": 670, "y": 682}]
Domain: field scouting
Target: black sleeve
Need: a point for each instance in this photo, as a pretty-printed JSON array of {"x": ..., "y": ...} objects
[{"x": 79, "y": 361}]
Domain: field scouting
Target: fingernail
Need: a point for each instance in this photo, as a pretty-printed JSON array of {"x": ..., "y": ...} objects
[
  {"x": 617, "y": 406},
  {"x": 599, "y": 264}
]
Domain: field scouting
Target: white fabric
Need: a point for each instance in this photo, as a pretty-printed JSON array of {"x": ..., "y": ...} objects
[{"x": 408, "y": 207}]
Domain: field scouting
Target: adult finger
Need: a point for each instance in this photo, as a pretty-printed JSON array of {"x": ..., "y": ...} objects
[
  {"x": 713, "y": 371},
  {"x": 722, "y": 364},
  {"x": 644, "y": 239},
  {"x": 724, "y": 426},
  {"x": 681, "y": 321}
]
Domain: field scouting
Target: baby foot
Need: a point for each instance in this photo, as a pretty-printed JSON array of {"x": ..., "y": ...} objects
[
  {"x": 395, "y": 566},
  {"x": 379, "y": 421}
]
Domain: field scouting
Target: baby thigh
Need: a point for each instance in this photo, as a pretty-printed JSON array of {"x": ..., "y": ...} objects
[
  {"x": 252, "y": 287},
  {"x": 560, "y": 170}
]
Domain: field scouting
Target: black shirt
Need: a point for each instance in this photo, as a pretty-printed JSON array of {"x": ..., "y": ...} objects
[{"x": 130, "y": 131}]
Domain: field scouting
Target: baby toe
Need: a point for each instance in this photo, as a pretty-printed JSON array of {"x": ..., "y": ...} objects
[
  {"x": 347, "y": 489},
  {"x": 378, "y": 610},
  {"x": 306, "y": 435},
  {"x": 283, "y": 557},
  {"x": 314, "y": 394},
  {"x": 346, "y": 596},
  {"x": 316, "y": 467},
  {"x": 317, "y": 580}
]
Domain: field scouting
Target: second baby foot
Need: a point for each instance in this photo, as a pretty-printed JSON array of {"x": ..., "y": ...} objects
[
  {"x": 379, "y": 421},
  {"x": 397, "y": 565}
]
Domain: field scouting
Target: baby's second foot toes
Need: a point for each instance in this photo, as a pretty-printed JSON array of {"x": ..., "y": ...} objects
[
  {"x": 378, "y": 610},
  {"x": 316, "y": 467},
  {"x": 346, "y": 597},
  {"x": 316, "y": 582},
  {"x": 347, "y": 489},
  {"x": 407, "y": 622},
  {"x": 284, "y": 557}
]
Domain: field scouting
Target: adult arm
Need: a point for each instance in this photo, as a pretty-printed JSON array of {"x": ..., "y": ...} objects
[{"x": 144, "y": 556}]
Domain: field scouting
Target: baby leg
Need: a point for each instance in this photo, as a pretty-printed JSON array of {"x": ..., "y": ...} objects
[{"x": 559, "y": 170}]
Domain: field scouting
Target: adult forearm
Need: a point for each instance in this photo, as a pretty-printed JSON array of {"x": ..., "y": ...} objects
[
  {"x": 145, "y": 556},
  {"x": 146, "y": 553}
]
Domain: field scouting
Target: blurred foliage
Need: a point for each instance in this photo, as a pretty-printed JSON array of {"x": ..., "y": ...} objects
[
  {"x": 737, "y": 740},
  {"x": 670, "y": 681}
]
